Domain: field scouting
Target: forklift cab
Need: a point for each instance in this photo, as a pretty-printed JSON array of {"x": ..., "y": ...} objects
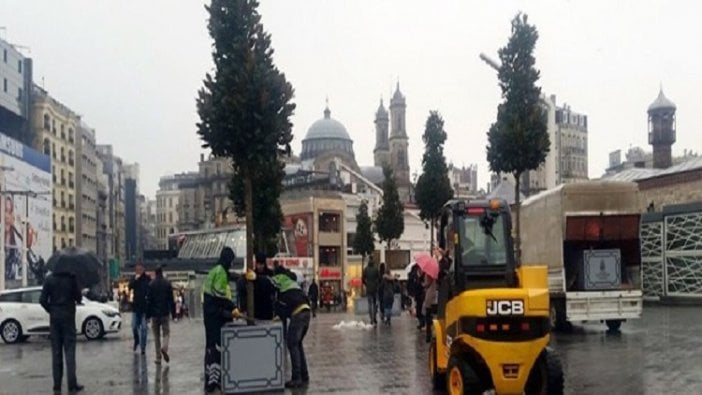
[{"x": 477, "y": 237}]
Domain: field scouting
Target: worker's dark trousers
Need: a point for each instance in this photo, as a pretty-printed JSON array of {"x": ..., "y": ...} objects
[
  {"x": 297, "y": 329},
  {"x": 63, "y": 342},
  {"x": 213, "y": 354}
]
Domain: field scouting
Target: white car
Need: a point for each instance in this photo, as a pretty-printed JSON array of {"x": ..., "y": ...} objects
[{"x": 21, "y": 316}]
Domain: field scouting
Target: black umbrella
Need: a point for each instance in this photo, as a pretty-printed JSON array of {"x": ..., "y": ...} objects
[{"x": 81, "y": 263}]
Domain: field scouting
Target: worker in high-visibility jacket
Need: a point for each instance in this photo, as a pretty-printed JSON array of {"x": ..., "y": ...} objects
[
  {"x": 293, "y": 307},
  {"x": 218, "y": 309}
]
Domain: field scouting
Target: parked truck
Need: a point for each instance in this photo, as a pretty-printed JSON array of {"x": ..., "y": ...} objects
[{"x": 588, "y": 235}]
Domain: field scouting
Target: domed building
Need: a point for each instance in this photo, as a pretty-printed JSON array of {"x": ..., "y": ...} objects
[{"x": 325, "y": 140}]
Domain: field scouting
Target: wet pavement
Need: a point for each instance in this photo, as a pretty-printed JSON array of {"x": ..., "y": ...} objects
[{"x": 658, "y": 354}]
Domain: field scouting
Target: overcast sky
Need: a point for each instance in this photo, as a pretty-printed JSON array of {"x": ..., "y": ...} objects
[{"x": 132, "y": 68}]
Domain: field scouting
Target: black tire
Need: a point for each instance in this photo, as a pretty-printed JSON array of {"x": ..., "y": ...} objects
[
  {"x": 614, "y": 325},
  {"x": 438, "y": 380},
  {"x": 11, "y": 332},
  {"x": 559, "y": 322},
  {"x": 546, "y": 377},
  {"x": 470, "y": 380},
  {"x": 93, "y": 329}
]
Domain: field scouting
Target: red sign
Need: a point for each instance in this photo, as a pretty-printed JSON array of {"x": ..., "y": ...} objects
[
  {"x": 326, "y": 273},
  {"x": 300, "y": 228}
]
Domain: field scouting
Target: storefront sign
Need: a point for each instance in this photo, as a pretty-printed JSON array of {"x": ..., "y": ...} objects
[{"x": 328, "y": 273}]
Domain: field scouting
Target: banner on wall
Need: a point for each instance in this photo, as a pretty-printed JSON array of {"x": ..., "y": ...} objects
[
  {"x": 26, "y": 205},
  {"x": 298, "y": 231}
]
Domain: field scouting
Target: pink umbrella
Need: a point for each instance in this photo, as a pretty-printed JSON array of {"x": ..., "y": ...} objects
[{"x": 428, "y": 264}]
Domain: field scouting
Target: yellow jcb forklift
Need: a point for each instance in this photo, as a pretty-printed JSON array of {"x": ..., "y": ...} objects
[{"x": 492, "y": 329}]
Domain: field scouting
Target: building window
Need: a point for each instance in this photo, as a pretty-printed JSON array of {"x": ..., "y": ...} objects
[
  {"x": 63, "y": 133},
  {"x": 4, "y": 85},
  {"x": 47, "y": 122},
  {"x": 170, "y": 218},
  {"x": 4, "y": 55},
  {"x": 70, "y": 135},
  {"x": 19, "y": 94},
  {"x": 53, "y": 126},
  {"x": 47, "y": 147},
  {"x": 329, "y": 223}
]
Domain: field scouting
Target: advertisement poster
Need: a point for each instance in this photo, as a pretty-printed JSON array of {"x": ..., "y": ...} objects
[
  {"x": 26, "y": 204},
  {"x": 298, "y": 231}
]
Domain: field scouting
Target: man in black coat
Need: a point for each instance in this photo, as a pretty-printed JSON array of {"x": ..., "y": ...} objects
[
  {"x": 313, "y": 295},
  {"x": 139, "y": 285},
  {"x": 264, "y": 290},
  {"x": 59, "y": 297},
  {"x": 160, "y": 309}
]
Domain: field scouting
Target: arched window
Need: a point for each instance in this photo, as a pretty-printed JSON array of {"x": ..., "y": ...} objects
[{"x": 47, "y": 122}]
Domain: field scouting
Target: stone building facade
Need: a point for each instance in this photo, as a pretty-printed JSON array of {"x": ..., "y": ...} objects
[{"x": 56, "y": 133}]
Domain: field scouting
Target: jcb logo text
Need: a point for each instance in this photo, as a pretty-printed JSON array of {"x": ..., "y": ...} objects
[{"x": 505, "y": 307}]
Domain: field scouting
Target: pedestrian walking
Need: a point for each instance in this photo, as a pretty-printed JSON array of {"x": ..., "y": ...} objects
[
  {"x": 388, "y": 295},
  {"x": 217, "y": 308},
  {"x": 430, "y": 304},
  {"x": 160, "y": 309},
  {"x": 59, "y": 297},
  {"x": 139, "y": 285},
  {"x": 371, "y": 279},
  {"x": 293, "y": 308},
  {"x": 416, "y": 291},
  {"x": 313, "y": 295},
  {"x": 381, "y": 285}
]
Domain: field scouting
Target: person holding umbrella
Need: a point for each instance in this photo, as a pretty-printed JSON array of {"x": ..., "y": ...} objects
[
  {"x": 430, "y": 267},
  {"x": 59, "y": 298}
]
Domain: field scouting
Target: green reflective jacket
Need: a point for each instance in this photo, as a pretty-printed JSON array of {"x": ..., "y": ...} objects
[
  {"x": 217, "y": 283},
  {"x": 284, "y": 283}
]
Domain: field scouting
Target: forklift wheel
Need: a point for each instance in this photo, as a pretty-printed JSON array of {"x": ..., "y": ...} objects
[
  {"x": 546, "y": 377},
  {"x": 438, "y": 380},
  {"x": 461, "y": 378}
]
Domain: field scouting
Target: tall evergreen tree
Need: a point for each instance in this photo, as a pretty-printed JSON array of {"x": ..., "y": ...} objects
[
  {"x": 364, "y": 242},
  {"x": 518, "y": 140},
  {"x": 433, "y": 188},
  {"x": 245, "y": 104},
  {"x": 390, "y": 222}
]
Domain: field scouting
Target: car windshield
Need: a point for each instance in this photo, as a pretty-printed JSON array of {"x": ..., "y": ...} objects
[{"x": 483, "y": 246}]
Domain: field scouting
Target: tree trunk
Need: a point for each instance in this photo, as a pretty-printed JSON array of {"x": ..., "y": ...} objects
[
  {"x": 363, "y": 268},
  {"x": 517, "y": 233},
  {"x": 248, "y": 196},
  {"x": 431, "y": 236}
]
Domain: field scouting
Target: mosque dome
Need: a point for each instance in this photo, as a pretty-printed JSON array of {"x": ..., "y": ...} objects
[{"x": 326, "y": 135}]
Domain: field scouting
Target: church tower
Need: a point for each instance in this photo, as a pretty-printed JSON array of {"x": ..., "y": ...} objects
[
  {"x": 399, "y": 143},
  {"x": 661, "y": 130},
  {"x": 381, "y": 153}
]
